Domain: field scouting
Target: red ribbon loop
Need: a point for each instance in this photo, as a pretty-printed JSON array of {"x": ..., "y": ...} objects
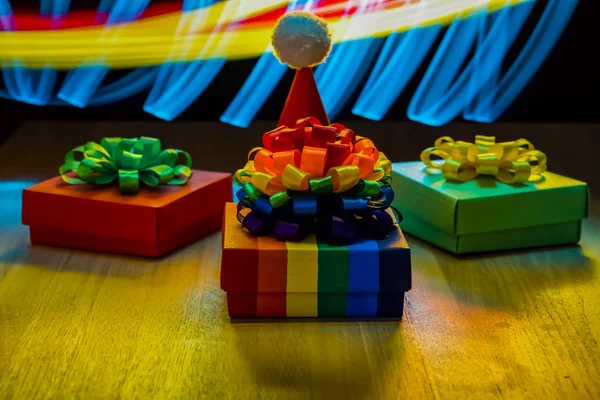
[
  {"x": 314, "y": 149},
  {"x": 347, "y": 136},
  {"x": 337, "y": 153},
  {"x": 320, "y": 136},
  {"x": 280, "y": 139}
]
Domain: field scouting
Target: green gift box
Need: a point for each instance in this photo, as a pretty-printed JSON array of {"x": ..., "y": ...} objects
[{"x": 485, "y": 214}]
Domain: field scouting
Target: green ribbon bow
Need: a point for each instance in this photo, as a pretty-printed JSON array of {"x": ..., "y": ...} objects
[{"x": 129, "y": 160}]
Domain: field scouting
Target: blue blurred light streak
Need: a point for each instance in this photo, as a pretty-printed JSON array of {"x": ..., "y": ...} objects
[
  {"x": 38, "y": 85},
  {"x": 80, "y": 84},
  {"x": 484, "y": 29},
  {"x": 129, "y": 85},
  {"x": 179, "y": 84},
  {"x": 549, "y": 29},
  {"x": 31, "y": 86},
  {"x": 444, "y": 93},
  {"x": 400, "y": 57},
  {"x": 446, "y": 63},
  {"x": 347, "y": 65}
]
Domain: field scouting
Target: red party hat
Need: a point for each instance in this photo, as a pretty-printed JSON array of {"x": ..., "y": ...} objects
[
  {"x": 303, "y": 100},
  {"x": 302, "y": 41}
]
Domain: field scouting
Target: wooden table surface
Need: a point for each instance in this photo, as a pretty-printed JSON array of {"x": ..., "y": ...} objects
[{"x": 73, "y": 324}]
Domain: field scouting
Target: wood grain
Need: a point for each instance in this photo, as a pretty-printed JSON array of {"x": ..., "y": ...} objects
[{"x": 81, "y": 325}]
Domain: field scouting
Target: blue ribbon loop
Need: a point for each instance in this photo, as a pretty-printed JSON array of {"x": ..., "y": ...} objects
[{"x": 334, "y": 218}]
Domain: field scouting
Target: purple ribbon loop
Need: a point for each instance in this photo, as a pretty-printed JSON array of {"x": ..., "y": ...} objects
[
  {"x": 254, "y": 224},
  {"x": 290, "y": 231},
  {"x": 342, "y": 230}
]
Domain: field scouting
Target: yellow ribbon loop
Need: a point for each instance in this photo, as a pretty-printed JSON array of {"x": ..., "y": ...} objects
[
  {"x": 267, "y": 184},
  {"x": 509, "y": 162},
  {"x": 383, "y": 166},
  {"x": 295, "y": 179},
  {"x": 384, "y": 163},
  {"x": 344, "y": 178},
  {"x": 244, "y": 175}
]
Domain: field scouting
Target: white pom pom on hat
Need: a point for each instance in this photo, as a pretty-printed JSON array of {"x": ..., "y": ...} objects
[{"x": 301, "y": 40}]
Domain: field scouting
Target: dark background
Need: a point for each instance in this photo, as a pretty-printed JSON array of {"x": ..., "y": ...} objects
[{"x": 564, "y": 90}]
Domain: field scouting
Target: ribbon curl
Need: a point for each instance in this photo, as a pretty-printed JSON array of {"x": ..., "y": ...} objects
[
  {"x": 509, "y": 162},
  {"x": 315, "y": 158},
  {"x": 316, "y": 178},
  {"x": 128, "y": 160}
]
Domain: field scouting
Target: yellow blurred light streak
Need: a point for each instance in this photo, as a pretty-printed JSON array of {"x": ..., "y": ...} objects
[
  {"x": 384, "y": 22},
  {"x": 136, "y": 47},
  {"x": 230, "y": 12},
  {"x": 165, "y": 24}
]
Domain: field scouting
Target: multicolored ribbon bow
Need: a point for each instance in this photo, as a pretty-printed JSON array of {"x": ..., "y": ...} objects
[
  {"x": 128, "y": 160},
  {"x": 316, "y": 178},
  {"x": 509, "y": 162}
]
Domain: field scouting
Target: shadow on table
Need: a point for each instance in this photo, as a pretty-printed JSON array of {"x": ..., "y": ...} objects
[
  {"x": 325, "y": 359},
  {"x": 511, "y": 279}
]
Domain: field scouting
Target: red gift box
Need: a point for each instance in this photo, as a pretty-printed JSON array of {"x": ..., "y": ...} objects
[{"x": 153, "y": 222}]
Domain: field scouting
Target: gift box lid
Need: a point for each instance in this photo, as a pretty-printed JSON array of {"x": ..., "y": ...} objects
[
  {"x": 151, "y": 215},
  {"x": 486, "y": 204},
  {"x": 265, "y": 265}
]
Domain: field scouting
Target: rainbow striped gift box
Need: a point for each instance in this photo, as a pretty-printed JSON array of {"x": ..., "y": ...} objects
[{"x": 264, "y": 277}]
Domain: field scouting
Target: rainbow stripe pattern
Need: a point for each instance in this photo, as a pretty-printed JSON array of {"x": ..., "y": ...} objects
[{"x": 265, "y": 278}]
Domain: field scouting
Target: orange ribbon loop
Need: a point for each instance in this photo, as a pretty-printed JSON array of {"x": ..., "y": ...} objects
[
  {"x": 364, "y": 163},
  {"x": 367, "y": 147},
  {"x": 311, "y": 150},
  {"x": 313, "y": 161},
  {"x": 285, "y": 158},
  {"x": 263, "y": 160}
]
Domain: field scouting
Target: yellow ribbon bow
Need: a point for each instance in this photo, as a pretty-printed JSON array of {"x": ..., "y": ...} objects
[{"x": 509, "y": 162}]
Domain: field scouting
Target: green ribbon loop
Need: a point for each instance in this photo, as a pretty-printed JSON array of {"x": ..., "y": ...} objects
[
  {"x": 366, "y": 189},
  {"x": 280, "y": 199},
  {"x": 128, "y": 160},
  {"x": 251, "y": 191},
  {"x": 129, "y": 181},
  {"x": 321, "y": 185}
]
